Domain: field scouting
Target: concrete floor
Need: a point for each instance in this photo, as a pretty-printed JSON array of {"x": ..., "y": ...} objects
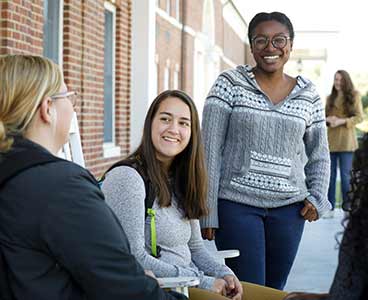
[{"x": 316, "y": 261}]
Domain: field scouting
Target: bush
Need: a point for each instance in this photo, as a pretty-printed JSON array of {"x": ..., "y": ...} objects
[{"x": 365, "y": 101}]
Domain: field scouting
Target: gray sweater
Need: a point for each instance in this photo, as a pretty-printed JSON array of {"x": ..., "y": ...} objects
[
  {"x": 262, "y": 154},
  {"x": 182, "y": 249}
]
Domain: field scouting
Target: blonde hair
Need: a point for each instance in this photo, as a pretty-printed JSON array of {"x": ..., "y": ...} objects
[{"x": 24, "y": 81}]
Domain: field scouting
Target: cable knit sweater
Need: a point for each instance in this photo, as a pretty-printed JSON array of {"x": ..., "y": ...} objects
[
  {"x": 182, "y": 249},
  {"x": 262, "y": 154}
]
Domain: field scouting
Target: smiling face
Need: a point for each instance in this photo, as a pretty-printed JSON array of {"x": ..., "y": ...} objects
[
  {"x": 171, "y": 129},
  {"x": 338, "y": 82},
  {"x": 271, "y": 59}
]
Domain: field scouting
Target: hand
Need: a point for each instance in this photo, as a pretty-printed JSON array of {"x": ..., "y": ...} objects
[
  {"x": 208, "y": 233},
  {"x": 334, "y": 121},
  {"x": 219, "y": 287},
  {"x": 234, "y": 289},
  {"x": 302, "y": 296},
  {"x": 150, "y": 273},
  {"x": 309, "y": 212}
]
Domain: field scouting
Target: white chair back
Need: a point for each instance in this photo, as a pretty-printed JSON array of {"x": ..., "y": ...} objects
[{"x": 73, "y": 149}]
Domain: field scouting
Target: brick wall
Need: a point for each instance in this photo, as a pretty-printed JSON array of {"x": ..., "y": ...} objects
[
  {"x": 168, "y": 40},
  {"x": 234, "y": 48},
  {"x": 168, "y": 46},
  {"x": 83, "y": 63},
  {"x": 21, "y": 26}
]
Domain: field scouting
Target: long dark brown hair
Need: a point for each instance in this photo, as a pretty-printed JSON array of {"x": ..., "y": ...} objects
[
  {"x": 187, "y": 169},
  {"x": 349, "y": 93}
]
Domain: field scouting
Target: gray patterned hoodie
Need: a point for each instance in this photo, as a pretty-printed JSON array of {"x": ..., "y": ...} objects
[{"x": 262, "y": 154}]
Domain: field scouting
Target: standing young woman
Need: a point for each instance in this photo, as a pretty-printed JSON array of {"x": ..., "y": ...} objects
[
  {"x": 343, "y": 110},
  {"x": 267, "y": 157},
  {"x": 170, "y": 162}
]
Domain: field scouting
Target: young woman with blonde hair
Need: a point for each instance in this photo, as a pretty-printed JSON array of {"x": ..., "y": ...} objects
[{"x": 58, "y": 238}]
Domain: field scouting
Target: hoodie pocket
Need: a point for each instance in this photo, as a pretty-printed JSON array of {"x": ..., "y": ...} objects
[{"x": 267, "y": 173}]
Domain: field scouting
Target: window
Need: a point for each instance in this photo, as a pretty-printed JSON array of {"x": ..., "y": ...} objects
[
  {"x": 177, "y": 10},
  {"x": 176, "y": 78},
  {"x": 52, "y": 30},
  {"x": 168, "y": 6},
  {"x": 155, "y": 76},
  {"x": 109, "y": 82},
  {"x": 166, "y": 78}
]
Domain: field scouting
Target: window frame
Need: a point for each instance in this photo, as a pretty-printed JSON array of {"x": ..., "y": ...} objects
[
  {"x": 110, "y": 149},
  {"x": 60, "y": 33}
]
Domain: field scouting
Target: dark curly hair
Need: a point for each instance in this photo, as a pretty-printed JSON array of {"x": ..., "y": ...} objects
[
  {"x": 355, "y": 241},
  {"x": 273, "y": 16}
]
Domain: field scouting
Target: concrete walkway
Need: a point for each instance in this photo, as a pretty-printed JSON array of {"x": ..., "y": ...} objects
[{"x": 316, "y": 261}]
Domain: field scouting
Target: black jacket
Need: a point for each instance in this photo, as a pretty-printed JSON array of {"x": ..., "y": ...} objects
[{"x": 60, "y": 240}]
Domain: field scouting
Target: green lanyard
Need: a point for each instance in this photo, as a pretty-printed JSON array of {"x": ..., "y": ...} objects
[{"x": 152, "y": 213}]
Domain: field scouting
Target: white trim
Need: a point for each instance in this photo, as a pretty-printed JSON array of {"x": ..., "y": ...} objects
[
  {"x": 233, "y": 19},
  {"x": 220, "y": 52},
  {"x": 228, "y": 61},
  {"x": 176, "y": 77},
  {"x": 177, "y": 9},
  {"x": 189, "y": 30},
  {"x": 61, "y": 32},
  {"x": 110, "y": 150},
  {"x": 166, "y": 78},
  {"x": 111, "y": 8},
  {"x": 163, "y": 14},
  {"x": 168, "y": 7},
  {"x": 143, "y": 60}
]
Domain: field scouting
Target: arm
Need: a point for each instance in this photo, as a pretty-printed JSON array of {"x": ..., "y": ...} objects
[
  {"x": 88, "y": 242},
  {"x": 349, "y": 122},
  {"x": 317, "y": 168},
  {"x": 203, "y": 258},
  {"x": 125, "y": 193},
  {"x": 205, "y": 262},
  {"x": 358, "y": 117},
  {"x": 216, "y": 114}
]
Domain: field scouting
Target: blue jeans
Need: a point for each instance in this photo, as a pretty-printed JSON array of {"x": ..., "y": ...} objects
[
  {"x": 344, "y": 160},
  {"x": 267, "y": 238}
]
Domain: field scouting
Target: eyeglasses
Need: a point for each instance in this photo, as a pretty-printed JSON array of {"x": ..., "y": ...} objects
[
  {"x": 278, "y": 42},
  {"x": 72, "y": 96}
]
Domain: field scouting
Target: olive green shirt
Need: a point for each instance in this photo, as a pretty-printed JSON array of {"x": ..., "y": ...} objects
[{"x": 343, "y": 138}]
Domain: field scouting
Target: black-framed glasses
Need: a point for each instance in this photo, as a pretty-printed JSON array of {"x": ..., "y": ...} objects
[
  {"x": 72, "y": 96},
  {"x": 278, "y": 42}
]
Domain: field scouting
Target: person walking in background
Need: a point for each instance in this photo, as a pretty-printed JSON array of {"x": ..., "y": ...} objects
[
  {"x": 267, "y": 157},
  {"x": 170, "y": 163},
  {"x": 351, "y": 278},
  {"x": 343, "y": 111},
  {"x": 58, "y": 238}
]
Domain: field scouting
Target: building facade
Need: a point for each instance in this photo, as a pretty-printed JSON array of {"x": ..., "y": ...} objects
[
  {"x": 91, "y": 41},
  {"x": 118, "y": 54},
  {"x": 195, "y": 41}
]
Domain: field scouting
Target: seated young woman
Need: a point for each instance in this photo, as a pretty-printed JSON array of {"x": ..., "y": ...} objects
[{"x": 170, "y": 162}]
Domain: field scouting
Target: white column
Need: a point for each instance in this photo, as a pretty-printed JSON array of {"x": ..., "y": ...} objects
[{"x": 142, "y": 68}]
